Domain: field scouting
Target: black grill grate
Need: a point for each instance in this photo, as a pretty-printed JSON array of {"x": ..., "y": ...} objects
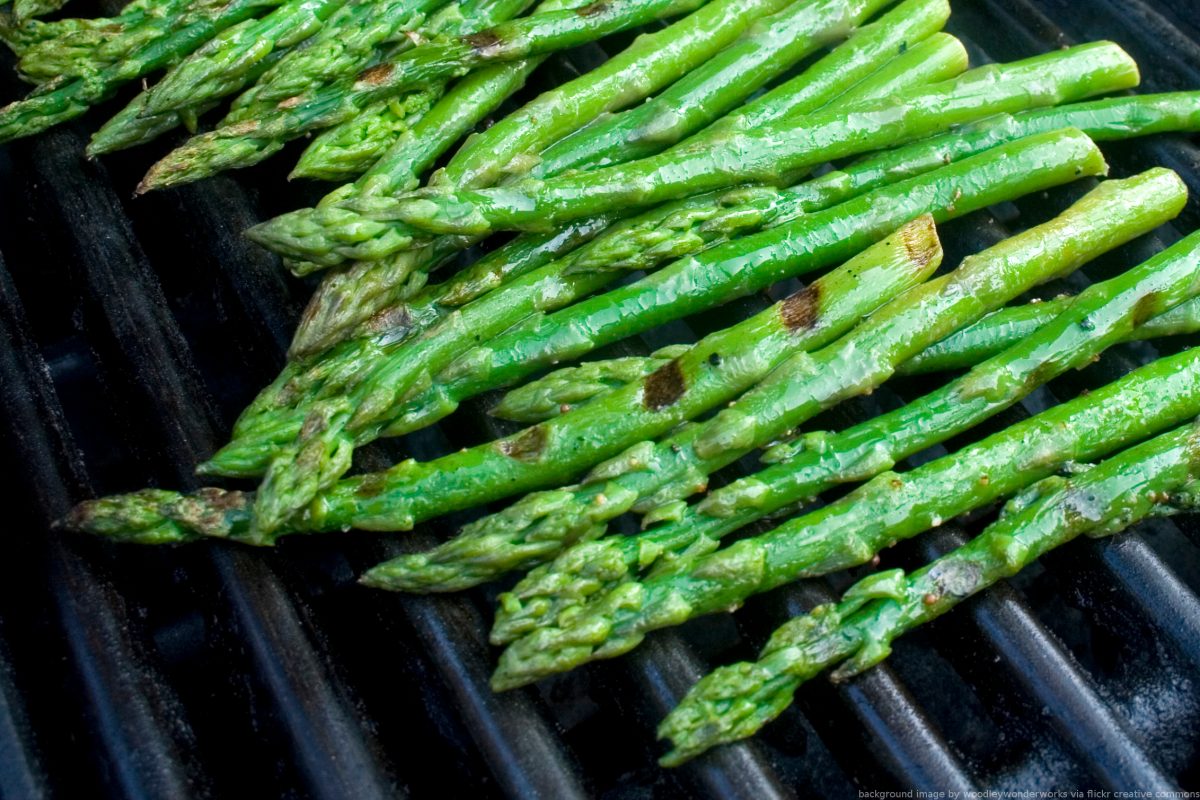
[{"x": 132, "y": 331}]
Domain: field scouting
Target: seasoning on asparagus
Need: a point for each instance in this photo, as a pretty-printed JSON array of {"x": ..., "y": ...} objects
[
  {"x": 653, "y": 477},
  {"x": 1157, "y": 478},
  {"x": 814, "y": 463}
]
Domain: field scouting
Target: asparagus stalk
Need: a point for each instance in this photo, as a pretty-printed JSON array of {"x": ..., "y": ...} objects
[
  {"x": 888, "y": 508},
  {"x": 778, "y": 148},
  {"x": 71, "y": 98},
  {"x": 28, "y": 9},
  {"x": 1157, "y": 478},
  {"x": 411, "y": 492},
  {"x": 566, "y": 388},
  {"x": 245, "y": 144},
  {"x": 813, "y": 464},
  {"x": 652, "y": 477},
  {"x": 839, "y": 299},
  {"x": 1002, "y": 329},
  {"x": 405, "y": 393}
]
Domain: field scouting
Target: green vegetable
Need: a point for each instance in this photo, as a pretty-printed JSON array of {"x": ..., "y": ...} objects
[
  {"x": 779, "y": 148},
  {"x": 652, "y": 477},
  {"x": 1157, "y": 478},
  {"x": 814, "y": 463}
]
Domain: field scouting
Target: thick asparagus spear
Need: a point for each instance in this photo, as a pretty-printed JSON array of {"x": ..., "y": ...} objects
[
  {"x": 1156, "y": 478},
  {"x": 245, "y": 144},
  {"x": 411, "y": 492},
  {"x": 71, "y": 98},
  {"x": 564, "y": 389},
  {"x": 651, "y": 475},
  {"x": 840, "y": 299},
  {"x": 1102, "y": 315},
  {"x": 888, "y": 508},
  {"x": 736, "y": 268}
]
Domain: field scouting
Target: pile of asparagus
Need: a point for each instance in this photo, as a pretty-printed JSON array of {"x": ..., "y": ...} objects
[{"x": 684, "y": 172}]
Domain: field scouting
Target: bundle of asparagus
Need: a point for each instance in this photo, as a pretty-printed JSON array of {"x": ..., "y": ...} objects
[{"x": 675, "y": 177}]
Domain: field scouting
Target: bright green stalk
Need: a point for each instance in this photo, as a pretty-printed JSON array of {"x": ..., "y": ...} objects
[
  {"x": 767, "y": 153},
  {"x": 889, "y": 508},
  {"x": 28, "y": 9},
  {"x": 72, "y": 98},
  {"x": 653, "y": 477},
  {"x": 1106, "y": 313},
  {"x": 1157, "y": 478},
  {"x": 741, "y": 266},
  {"x": 811, "y": 318},
  {"x": 999, "y": 331},
  {"x": 434, "y": 61}
]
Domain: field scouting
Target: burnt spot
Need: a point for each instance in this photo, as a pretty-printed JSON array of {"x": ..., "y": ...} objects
[
  {"x": 222, "y": 500},
  {"x": 592, "y": 9},
  {"x": 1145, "y": 308},
  {"x": 1038, "y": 375},
  {"x": 715, "y": 360},
  {"x": 484, "y": 42},
  {"x": 526, "y": 446},
  {"x": 377, "y": 74},
  {"x": 371, "y": 485},
  {"x": 921, "y": 241},
  {"x": 314, "y": 423},
  {"x": 664, "y": 386},
  {"x": 801, "y": 310}
]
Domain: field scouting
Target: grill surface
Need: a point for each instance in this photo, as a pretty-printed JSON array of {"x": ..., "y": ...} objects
[{"x": 132, "y": 332}]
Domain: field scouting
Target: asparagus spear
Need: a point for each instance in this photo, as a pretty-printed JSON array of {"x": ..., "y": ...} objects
[
  {"x": 1002, "y": 329},
  {"x": 840, "y": 299},
  {"x": 888, "y": 508},
  {"x": 779, "y": 148},
  {"x": 734, "y": 269},
  {"x": 1102, "y": 315},
  {"x": 248, "y": 143},
  {"x": 566, "y": 388},
  {"x": 1157, "y": 478},
  {"x": 411, "y": 492},
  {"x": 28, "y": 9},
  {"x": 68, "y": 99},
  {"x": 651, "y": 475}
]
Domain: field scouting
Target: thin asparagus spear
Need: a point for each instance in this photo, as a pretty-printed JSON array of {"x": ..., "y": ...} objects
[
  {"x": 840, "y": 299},
  {"x": 28, "y": 9},
  {"x": 888, "y": 508},
  {"x": 651, "y": 477},
  {"x": 411, "y": 492},
  {"x": 778, "y": 148},
  {"x": 72, "y": 98},
  {"x": 1101, "y": 316},
  {"x": 561, "y": 390},
  {"x": 1006, "y": 327},
  {"x": 1157, "y": 478},
  {"x": 716, "y": 275},
  {"x": 248, "y": 143}
]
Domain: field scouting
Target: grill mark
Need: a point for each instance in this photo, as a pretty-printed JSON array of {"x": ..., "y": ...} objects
[
  {"x": 920, "y": 241},
  {"x": 484, "y": 42},
  {"x": 592, "y": 9},
  {"x": 1145, "y": 308},
  {"x": 377, "y": 74},
  {"x": 801, "y": 310},
  {"x": 527, "y": 446},
  {"x": 664, "y": 386}
]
